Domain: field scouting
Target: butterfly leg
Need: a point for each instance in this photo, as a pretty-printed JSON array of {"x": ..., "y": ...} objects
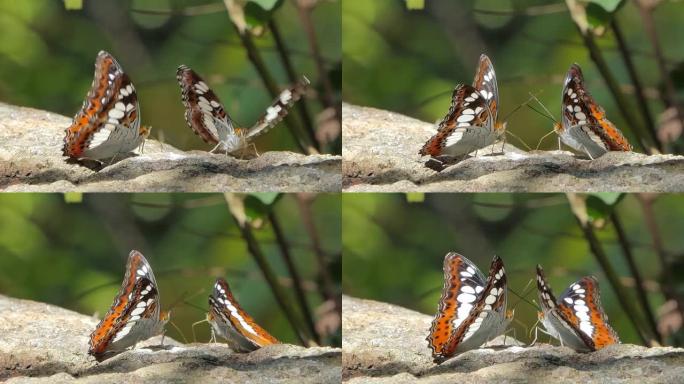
[
  {"x": 559, "y": 143},
  {"x": 213, "y": 150},
  {"x": 213, "y": 336},
  {"x": 194, "y": 337}
]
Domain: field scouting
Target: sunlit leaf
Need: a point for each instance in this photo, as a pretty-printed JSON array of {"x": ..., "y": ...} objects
[
  {"x": 73, "y": 197},
  {"x": 267, "y": 198},
  {"x": 415, "y": 4},
  {"x": 72, "y": 5},
  {"x": 608, "y": 5},
  {"x": 415, "y": 197},
  {"x": 267, "y": 5},
  {"x": 601, "y": 205},
  {"x": 259, "y": 12},
  {"x": 258, "y": 205}
]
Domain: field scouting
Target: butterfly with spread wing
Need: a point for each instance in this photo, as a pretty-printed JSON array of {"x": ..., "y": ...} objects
[
  {"x": 472, "y": 309},
  {"x": 206, "y": 116},
  {"x": 108, "y": 123},
  {"x": 135, "y": 314},
  {"x": 584, "y": 126},
  {"x": 576, "y": 319},
  {"x": 471, "y": 122},
  {"x": 231, "y": 322}
]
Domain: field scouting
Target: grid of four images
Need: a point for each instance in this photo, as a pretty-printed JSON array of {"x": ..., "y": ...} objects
[{"x": 326, "y": 191}]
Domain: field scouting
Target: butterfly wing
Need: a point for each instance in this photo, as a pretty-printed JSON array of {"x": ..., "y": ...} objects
[
  {"x": 279, "y": 108},
  {"x": 486, "y": 318},
  {"x": 560, "y": 321},
  {"x": 587, "y": 119},
  {"x": 230, "y": 321},
  {"x": 463, "y": 283},
  {"x": 135, "y": 312},
  {"x": 581, "y": 305},
  {"x": 485, "y": 83},
  {"x": 204, "y": 111},
  {"x": 109, "y": 121},
  {"x": 462, "y": 130}
]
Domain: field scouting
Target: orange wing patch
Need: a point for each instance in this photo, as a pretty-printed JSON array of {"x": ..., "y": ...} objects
[
  {"x": 442, "y": 325},
  {"x": 611, "y": 136}
]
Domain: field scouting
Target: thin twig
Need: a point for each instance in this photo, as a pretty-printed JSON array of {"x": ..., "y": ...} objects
[
  {"x": 327, "y": 283},
  {"x": 294, "y": 274},
  {"x": 670, "y": 94},
  {"x": 638, "y": 89},
  {"x": 327, "y": 98},
  {"x": 638, "y": 281},
  {"x": 283, "y": 53},
  {"x": 269, "y": 275},
  {"x": 667, "y": 280},
  {"x": 579, "y": 211}
]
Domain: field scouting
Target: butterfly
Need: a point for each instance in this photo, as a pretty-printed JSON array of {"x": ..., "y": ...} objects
[
  {"x": 471, "y": 122},
  {"x": 108, "y": 123},
  {"x": 584, "y": 125},
  {"x": 472, "y": 309},
  {"x": 207, "y": 117},
  {"x": 576, "y": 319},
  {"x": 232, "y": 323},
  {"x": 135, "y": 314}
]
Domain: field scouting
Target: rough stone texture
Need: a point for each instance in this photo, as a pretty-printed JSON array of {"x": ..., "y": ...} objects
[
  {"x": 42, "y": 343},
  {"x": 380, "y": 154},
  {"x": 31, "y": 160},
  {"x": 384, "y": 343}
]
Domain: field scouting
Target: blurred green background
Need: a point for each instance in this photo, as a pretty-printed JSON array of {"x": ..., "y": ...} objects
[
  {"x": 47, "y": 56},
  {"x": 409, "y": 61},
  {"x": 401, "y": 246},
  {"x": 73, "y": 254}
]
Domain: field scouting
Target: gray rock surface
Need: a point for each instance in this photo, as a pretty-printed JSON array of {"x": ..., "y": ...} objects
[
  {"x": 31, "y": 160},
  {"x": 42, "y": 343},
  {"x": 384, "y": 343},
  {"x": 380, "y": 154}
]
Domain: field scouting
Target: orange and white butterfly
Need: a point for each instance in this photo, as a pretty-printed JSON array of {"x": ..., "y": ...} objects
[
  {"x": 207, "y": 117},
  {"x": 584, "y": 125},
  {"x": 471, "y": 122},
  {"x": 232, "y": 323},
  {"x": 472, "y": 310},
  {"x": 108, "y": 123},
  {"x": 135, "y": 314},
  {"x": 576, "y": 319}
]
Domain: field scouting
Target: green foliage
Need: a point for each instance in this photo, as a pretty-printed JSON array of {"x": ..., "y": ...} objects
[
  {"x": 73, "y": 4},
  {"x": 601, "y": 205},
  {"x": 415, "y": 4},
  {"x": 70, "y": 250},
  {"x": 394, "y": 249},
  {"x": 259, "y": 12},
  {"x": 47, "y": 56}
]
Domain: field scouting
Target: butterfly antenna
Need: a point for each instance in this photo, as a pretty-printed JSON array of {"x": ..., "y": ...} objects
[
  {"x": 523, "y": 297},
  {"x": 532, "y": 97},
  {"x": 179, "y": 331},
  {"x": 184, "y": 297},
  {"x": 195, "y": 306},
  {"x": 519, "y": 139},
  {"x": 548, "y": 113}
]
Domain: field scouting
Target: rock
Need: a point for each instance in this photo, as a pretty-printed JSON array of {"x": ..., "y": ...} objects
[
  {"x": 380, "y": 154},
  {"x": 384, "y": 343},
  {"x": 31, "y": 160},
  {"x": 44, "y": 343}
]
